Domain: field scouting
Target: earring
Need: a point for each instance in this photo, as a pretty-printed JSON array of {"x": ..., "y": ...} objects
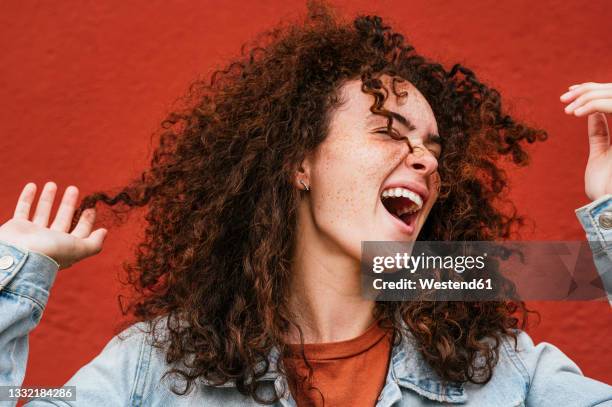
[{"x": 306, "y": 188}]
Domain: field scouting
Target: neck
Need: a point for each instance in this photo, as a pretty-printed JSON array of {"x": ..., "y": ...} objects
[{"x": 326, "y": 295}]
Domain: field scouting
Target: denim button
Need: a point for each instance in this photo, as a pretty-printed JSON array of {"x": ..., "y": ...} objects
[
  {"x": 605, "y": 220},
  {"x": 6, "y": 262}
]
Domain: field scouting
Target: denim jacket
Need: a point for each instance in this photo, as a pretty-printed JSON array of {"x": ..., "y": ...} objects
[{"x": 128, "y": 371}]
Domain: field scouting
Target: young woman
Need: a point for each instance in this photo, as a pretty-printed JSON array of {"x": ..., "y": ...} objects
[{"x": 247, "y": 286}]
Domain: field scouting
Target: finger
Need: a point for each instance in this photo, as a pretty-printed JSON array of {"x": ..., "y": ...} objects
[
  {"x": 598, "y": 105},
  {"x": 65, "y": 212},
  {"x": 85, "y": 225},
  {"x": 24, "y": 202},
  {"x": 583, "y": 87},
  {"x": 587, "y": 97},
  {"x": 570, "y": 95},
  {"x": 599, "y": 135},
  {"x": 45, "y": 202},
  {"x": 578, "y": 90},
  {"x": 92, "y": 244}
]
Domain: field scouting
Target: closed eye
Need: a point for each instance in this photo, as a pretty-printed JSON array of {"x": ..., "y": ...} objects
[
  {"x": 394, "y": 134},
  {"x": 433, "y": 143},
  {"x": 435, "y": 149}
]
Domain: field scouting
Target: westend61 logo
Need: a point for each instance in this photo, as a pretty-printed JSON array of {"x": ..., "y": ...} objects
[{"x": 482, "y": 271}]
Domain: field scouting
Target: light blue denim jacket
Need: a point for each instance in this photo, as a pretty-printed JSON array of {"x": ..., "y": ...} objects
[{"x": 128, "y": 371}]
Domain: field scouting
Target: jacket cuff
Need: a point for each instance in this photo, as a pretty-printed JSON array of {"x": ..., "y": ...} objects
[
  {"x": 596, "y": 219},
  {"x": 27, "y": 273}
]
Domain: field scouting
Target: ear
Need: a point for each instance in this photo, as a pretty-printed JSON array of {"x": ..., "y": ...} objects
[{"x": 303, "y": 173}]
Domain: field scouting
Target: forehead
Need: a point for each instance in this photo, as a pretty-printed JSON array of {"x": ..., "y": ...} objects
[{"x": 409, "y": 102}]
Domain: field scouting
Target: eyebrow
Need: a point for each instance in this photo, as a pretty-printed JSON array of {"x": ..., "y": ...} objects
[{"x": 431, "y": 137}]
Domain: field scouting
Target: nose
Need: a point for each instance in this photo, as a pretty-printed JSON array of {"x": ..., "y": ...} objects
[{"x": 422, "y": 160}]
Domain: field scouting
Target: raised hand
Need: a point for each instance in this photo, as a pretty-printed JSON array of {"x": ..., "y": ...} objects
[
  {"x": 54, "y": 241},
  {"x": 594, "y": 99}
]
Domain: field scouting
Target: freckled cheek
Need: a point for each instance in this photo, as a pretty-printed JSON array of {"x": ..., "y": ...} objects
[
  {"x": 348, "y": 183},
  {"x": 366, "y": 163},
  {"x": 377, "y": 165}
]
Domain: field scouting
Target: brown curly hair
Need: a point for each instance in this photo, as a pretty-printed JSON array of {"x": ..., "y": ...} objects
[{"x": 230, "y": 154}]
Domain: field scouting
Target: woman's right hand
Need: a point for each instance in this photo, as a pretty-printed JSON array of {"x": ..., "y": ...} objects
[{"x": 53, "y": 241}]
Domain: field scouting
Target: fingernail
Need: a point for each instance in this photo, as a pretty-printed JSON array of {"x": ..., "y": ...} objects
[
  {"x": 566, "y": 95},
  {"x": 573, "y": 87},
  {"x": 579, "y": 111}
]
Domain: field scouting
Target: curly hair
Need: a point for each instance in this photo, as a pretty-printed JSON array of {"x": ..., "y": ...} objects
[{"x": 229, "y": 153}]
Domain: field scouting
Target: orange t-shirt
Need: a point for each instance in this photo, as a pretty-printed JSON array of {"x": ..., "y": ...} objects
[{"x": 346, "y": 373}]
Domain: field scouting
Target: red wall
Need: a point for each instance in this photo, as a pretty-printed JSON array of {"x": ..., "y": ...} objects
[{"x": 83, "y": 85}]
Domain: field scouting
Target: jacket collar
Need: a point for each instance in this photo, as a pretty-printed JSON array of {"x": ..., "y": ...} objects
[{"x": 407, "y": 369}]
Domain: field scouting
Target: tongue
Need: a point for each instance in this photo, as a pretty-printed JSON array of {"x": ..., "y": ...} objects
[
  {"x": 395, "y": 204},
  {"x": 406, "y": 217}
]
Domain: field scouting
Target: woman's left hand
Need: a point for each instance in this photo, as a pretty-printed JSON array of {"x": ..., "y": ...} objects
[{"x": 594, "y": 100}]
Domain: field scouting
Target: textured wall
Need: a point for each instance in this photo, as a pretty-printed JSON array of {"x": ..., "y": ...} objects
[{"x": 84, "y": 84}]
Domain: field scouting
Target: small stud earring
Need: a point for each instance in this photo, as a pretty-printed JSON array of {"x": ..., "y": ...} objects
[{"x": 306, "y": 188}]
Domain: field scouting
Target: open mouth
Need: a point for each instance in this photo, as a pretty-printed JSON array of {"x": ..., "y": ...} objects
[{"x": 402, "y": 203}]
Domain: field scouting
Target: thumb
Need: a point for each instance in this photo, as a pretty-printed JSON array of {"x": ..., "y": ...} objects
[
  {"x": 93, "y": 242},
  {"x": 599, "y": 134}
]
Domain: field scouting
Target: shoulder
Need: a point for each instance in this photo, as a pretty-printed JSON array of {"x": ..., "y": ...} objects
[
  {"x": 550, "y": 376},
  {"x": 126, "y": 370},
  {"x": 142, "y": 350},
  {"x": 530, "y": 358}
]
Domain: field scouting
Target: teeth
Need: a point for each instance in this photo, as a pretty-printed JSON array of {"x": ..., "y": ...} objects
[{"x": 406, "y": 193}]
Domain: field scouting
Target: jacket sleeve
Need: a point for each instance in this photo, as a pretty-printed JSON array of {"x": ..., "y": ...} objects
[
  {"x": 113, "y": 378},
  {"x": 596, "y": 219},
  {"x": 25, "y": 280},
  {"x": 553, "y": 379}
]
